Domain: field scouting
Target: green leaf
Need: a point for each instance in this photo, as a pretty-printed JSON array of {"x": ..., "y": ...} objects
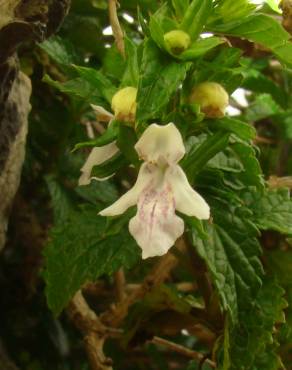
[
  {"x": 61, "y": 51},
  {"x": 256, "y": 81},
  {"x": 196, "y": 17},
  {"x": 252, "y": 337},
  {"x": 229, "y": 10},
  {"x": 180, "y": 7},
  {"x": 131, "y": 75},
  {"x": 226, "y": 161},
  {"x": 160, "y": 77},
  {"x": 160, "y": 24},
  {"x": 80, "y": 251},
  {"x": 77, "y": 88},
  {"x": 98, "y": 81},
  {"x": 274, "y": 5},
  {"x": 104, "y": 192},
  {"x": 262, "y": 107},
  {"x": 157, "y": 32},
  {"x": 197, "y": 158},
  {"x": 107, "y": 137},
  {"x": 272, "y": 210},
  {"x": 262, "y": 29},
  {"x": 200, "y": 47},
  {"x": 127, "y": 139},
  {"x": 241, "y": 129},
  {"x": 62, "y": 201},
  {"x": 252, "y": 176},
  {"x": 269, "y": 360},
  {"x": 109, "y": 167},
  {"x": 230, "y": 252}
]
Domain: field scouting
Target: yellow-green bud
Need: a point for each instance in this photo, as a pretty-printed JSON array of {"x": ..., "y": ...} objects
[
  {"x": 212, "y": 98},
  {"x": 124, "y": 104},
  {"x": 177, "y": 41}
]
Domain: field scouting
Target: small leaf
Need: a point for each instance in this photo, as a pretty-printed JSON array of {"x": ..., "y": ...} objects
[
  {"x": 196, "y": 17},
  {"x": 61, "y": 50},
  {"x": 241, "y": 129},
  {"x": 107, "y": 137},
  {"x": 200, "y": 47},
  {"x": 262, "y": 29},
  {"x": 272, "y": 210},
  {"x": 180, "y": 7},
  {"x": 77, "y": 88},
  {"x": 98, "y": 81},
  {"x": 197, "y": 158},
  {"x": 62, "y": 200},
  {"x": 160, "y": 77},
  {"x": 131, "y": 75}
]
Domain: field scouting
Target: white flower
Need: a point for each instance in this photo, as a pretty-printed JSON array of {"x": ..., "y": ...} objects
[
  {"x": 161, "y": 188},
  {"x": 97, "y": 156},
  {"x": 124, "y": 107}
]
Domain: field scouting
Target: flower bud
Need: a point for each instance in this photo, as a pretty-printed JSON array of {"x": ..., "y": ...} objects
[
  {"x": 177, "y": 41},
  {"x": 124, "y": 104},
  {"x": 212, "y": 98}
]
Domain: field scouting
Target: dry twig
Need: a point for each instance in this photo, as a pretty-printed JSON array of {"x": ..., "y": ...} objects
[
  {"x": 116, "y": 27},
  {"x": 275, "y": 182},
  {"x": 120, "y": 284},
  {"x": 182, "y": 350},
  {"x": 158, "y": 274}
]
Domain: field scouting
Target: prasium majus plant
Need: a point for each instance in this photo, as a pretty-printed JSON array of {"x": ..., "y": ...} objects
[{"x": 184, "y": 179}]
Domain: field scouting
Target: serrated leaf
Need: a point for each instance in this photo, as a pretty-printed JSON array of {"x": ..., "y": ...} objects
[
  {"x": 61, "y": 50},
  {"x": 104, "y": 192},
  {"x": 231, "y": 251},
  {"x": 98, "y": 81},
  {"x": 241, "y": 129},
  {"x": 160, "y": 77},
  {"x": 252, "y": 337},
  {"x": 198, "y": 157},
  {"x": 76, "y": 88},
  {"x": 79, "y": 251},
  {"x": 262, "y": 29},
  {"x": 272, "y": 210},
  {"x": 62, "y": 201},
  {"x": 252, "y": 175},
  {"x": 262, "y": 107}
]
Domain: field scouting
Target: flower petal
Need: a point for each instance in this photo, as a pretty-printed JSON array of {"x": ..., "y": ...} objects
[
  {"x": 102, "y": 114},
  {"x": 156, "y": 226},
  {"x": 97, "y": 156},
  {"x": 130, "y": 198},
  {"x": 161, "y": 144},
  {"x": 187, "y": 200}
]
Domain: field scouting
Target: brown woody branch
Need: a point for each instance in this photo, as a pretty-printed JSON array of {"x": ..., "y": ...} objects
[
  {"x": 183, "y": 350},
  {"x": 158, "y": 274},
  {"x": 93, "y": 330}
]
